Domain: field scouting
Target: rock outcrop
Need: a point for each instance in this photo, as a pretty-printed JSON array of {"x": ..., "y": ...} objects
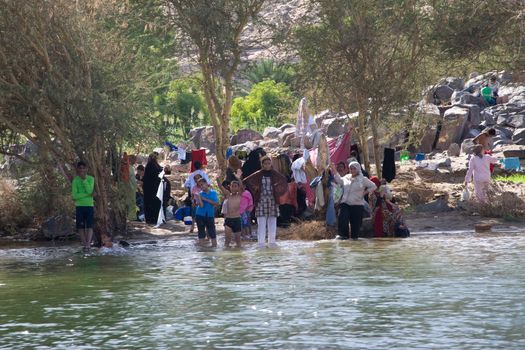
[{"x": 454, "y": 112}]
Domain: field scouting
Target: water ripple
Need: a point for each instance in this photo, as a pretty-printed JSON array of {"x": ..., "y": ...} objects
[{"x": 427, "y": 292}]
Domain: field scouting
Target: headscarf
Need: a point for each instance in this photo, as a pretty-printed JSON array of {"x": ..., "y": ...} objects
[
  {"x": 234, "y": 163},
  {"x": 253, "y": 163},
  {"x": 376, "y": 181},
  {"x": 357, "y": 166},
  {"x": 359, "y": 178}
]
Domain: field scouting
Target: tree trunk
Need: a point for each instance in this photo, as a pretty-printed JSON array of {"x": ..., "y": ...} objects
[
  {"x": 361, "y": 119},
  {"x": 377, "y": 154},
  {"x": 108, "y": 217}
]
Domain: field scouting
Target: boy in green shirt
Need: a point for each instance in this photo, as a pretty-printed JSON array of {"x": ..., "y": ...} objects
[{"x": 82, "y": 190}]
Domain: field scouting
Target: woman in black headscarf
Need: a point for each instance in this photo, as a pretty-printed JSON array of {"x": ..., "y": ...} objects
[
  {"x": 253, "y": 163},
  {"x": 151, "y": 183}
]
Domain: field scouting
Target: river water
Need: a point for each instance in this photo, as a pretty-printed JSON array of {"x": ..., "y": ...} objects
[{"x": 426, "y": 292}]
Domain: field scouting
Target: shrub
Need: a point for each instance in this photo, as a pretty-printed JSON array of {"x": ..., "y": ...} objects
[
  {"x": 14, "y": 214},
  {"x": 267, "y": 104}
]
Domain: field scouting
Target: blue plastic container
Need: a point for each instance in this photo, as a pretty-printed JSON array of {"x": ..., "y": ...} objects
[
  {"x": 511, "y": 163},
  {"x": 420, "y": 157}
]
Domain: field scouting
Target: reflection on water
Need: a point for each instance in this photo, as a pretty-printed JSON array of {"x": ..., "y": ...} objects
[{"x": 427, "y": 292}]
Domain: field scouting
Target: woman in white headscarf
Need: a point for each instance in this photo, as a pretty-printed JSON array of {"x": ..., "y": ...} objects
[{"x": 355, "y": 187}]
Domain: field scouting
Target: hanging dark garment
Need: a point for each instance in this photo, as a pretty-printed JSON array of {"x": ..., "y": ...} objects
[
  {"x": 188, "y": 158},
  {"x": 151, "y": 184},
  {"x": 301, "y": 200},
  {"x": 389, "y": 164},
  {"x": 253, "y": 164},
  {"x": 355, "y": 149}
]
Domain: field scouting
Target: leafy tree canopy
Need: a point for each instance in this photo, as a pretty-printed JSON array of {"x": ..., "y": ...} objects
[{"x": 268, "y": 104}]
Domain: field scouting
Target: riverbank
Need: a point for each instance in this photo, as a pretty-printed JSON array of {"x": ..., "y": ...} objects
[
  {"x": 421, "y": 224},
  {"x": 428, "y": 192}
]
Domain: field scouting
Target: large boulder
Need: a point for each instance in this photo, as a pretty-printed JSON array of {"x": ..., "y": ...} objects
[
  {"x": 245, "y": 135},
  {"x": 285, "y": 136},
  {"x": 474, "y": 115},
  {"x": 519, "y": 136},
  {"x": 336, "y": 126},
  {"x": 512, "y": 90},
  {"x": 429, "y": 113},
  {"x": 517, "y": 100},
  {"x": 426, "y": 143},
  {"x": 503, "y": 131},
  {"x": 456, "y": 97},
  {"x": 467, "y": 146},
  {"x": 57, "y": 227},
  {"x": 487, "y": 118},
  {"x": 269, "y": 144},
  {"x": 515, "y": 151},
  {"x": 430, "y": 116},
  {"x": 271, "y": 133},
  {"x": 504, "y": 77},
  {"x": 454, "y": 150},
  {"x": 454, "y": 82},
  {"x": 453, "y": 127},
  {"x": 244, "y": 147},
  {"x": 516, "y": 121},
  {"x": 203, "y": 137},
  {"x": 467, "y": 98},
  {"x": 326, "y": 114},
  {"x": 442, "y": 94},
  {"x": 507, "y": 110},
  {"x": 503, "y": 136},
  {"x": 287, "y": 126}
]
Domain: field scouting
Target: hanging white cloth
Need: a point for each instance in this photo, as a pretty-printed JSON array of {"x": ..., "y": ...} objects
[
  {"x": 298, "y": 170},
  {"x": 302, "y": 120},
  {"x": 181, "y": 153},
  {"x": 160, "y": 195},
  {"x": 319, "y": 196}
]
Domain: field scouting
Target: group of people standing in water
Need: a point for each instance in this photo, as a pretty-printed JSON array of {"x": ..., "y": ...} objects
[
  {"x": 256, "y": 193},
  {"x": 268, "y": 192}
]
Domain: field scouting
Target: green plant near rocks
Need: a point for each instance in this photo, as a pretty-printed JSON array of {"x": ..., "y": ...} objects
[
  {"x": 268, "y": 104},
  {"x": 515, "y": 178}
]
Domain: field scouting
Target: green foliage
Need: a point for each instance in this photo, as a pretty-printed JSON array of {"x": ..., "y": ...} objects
[
  {"x": 212, "y": 30},
  {"x": 468, "y": 28},
  {"x": 362, "y": 50},
  {"x": 267, "y": 104},
  {"x": 180, "y": 108},
  {"x": 270, "y": 70},
  {"x": 140, "y": 27},
  {"x": 514, "y": 178}
]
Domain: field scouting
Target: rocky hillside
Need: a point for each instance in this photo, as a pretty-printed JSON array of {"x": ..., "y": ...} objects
[
  {"x": 278, "y": 17},
  {"x": 457, "y": 116}
]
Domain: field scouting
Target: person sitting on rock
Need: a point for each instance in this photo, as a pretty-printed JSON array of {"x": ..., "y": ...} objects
[
  {"x": 486, "y": 93},
  {"x": 493, "y": 84}
]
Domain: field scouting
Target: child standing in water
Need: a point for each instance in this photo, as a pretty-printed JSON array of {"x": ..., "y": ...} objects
[
  {"x": 246, "y": 213},
  {"x": 205, "y": 214},
  {"x": 232, "y": 214},
  {"x": 194, "y": 196}
]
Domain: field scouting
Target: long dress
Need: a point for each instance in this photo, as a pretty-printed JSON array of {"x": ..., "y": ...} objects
[
  {"x": 383, "y": 216},
  {"x": 267, "y": 206},
  {"x": 151, "y": 184}
]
